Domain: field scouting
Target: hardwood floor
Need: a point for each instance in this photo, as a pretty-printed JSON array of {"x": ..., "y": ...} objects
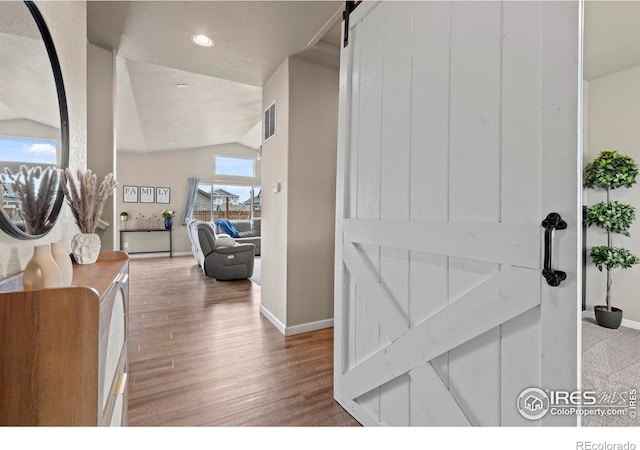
[{"x": 201, "y": 354}]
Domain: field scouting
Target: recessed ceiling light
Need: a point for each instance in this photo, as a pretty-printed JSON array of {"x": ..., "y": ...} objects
[
  {"x": 172, "y": 143},
  {"x": 175, "y": 123},
  {"x": 181, "y": 85},
  {"x": 203, "y": 40}
]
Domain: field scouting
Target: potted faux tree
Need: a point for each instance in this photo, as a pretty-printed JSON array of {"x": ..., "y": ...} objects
[{"x": 611, "y": 170}]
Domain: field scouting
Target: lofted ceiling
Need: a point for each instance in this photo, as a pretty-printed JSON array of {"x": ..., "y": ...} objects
[
  {"x": 27, "y": 89},
  {"x": 222, "y": 99}
]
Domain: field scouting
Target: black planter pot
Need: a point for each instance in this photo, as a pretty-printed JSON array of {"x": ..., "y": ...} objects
[{"x": 608, "y": 319}]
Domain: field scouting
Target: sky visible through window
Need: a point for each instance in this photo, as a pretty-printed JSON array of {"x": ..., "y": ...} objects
[
  {"x": 243, "y": 191},
  {"x": 238, "y": 167},
  {"x": 27, "y": 150}
]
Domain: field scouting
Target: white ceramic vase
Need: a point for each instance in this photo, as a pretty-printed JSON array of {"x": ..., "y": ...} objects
[
  {"x": 85, "y": 248},
  {"x": 62, "y": 258},
  {"x": 41, "y": 271}
]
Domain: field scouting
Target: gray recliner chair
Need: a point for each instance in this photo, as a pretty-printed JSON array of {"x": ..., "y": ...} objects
[
  {"x": 192, "y": 231},
  {"x": 224, "y": 263}
]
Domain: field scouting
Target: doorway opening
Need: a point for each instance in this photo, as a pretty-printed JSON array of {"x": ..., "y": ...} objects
[{"x": 610, "y": 357}]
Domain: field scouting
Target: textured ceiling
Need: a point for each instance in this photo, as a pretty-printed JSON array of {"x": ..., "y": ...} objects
[
  {"x": 208, "y": 111},
  {"x": 27, "y": 88},
  {"x": 152, "y": 43},
  {"x": 222, "y": 102},
  {"x": 251, "y": 37}
]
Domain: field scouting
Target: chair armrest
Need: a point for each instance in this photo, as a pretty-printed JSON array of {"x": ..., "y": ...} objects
[{"x": 236, "y": 249}]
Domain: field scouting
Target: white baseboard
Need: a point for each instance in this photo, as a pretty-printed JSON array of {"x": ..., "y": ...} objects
[
  {"x": 625, "y": 322},
  {"x": 309, "y": 326},
  {"x": 273, "y": 319},
  {"x": 295, "y": 329},
  {"x": 630, "y": 324}
]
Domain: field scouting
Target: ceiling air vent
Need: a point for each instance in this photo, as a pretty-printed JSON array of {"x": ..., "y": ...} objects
[{"x": 270, "y": 122}]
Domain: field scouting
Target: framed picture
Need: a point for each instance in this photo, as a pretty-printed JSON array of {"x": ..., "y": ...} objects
[
  {"x": 147, "y": 194},
  {"x": 163, "y": 194},
  {"x": 130, "y": 194}
]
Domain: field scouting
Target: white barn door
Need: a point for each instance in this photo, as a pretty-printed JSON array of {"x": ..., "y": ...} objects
[{"x": 458, "y": 135}]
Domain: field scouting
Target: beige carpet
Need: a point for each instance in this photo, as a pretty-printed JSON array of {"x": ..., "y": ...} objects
[{"x": 610, "y": 364}]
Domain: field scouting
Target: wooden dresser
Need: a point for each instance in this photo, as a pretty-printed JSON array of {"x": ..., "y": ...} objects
[{"x": 63, "y": 351}]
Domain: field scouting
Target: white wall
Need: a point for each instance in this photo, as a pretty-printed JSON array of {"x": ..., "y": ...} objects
[
  {"x": 298, "y": 222},
  {"x": 273, "y": 246},
  {"x": 613, "y": 124},
  {"x": 313, "y": 128},
  {"x": 67, "y": 23},
  {"x": 100, "y": 129},
  {"x": 170, "y": 169}
]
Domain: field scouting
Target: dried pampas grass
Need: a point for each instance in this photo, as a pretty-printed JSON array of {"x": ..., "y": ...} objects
[
  {"x": 36, "y": 188},
  {"x": 85, "y": 197}
]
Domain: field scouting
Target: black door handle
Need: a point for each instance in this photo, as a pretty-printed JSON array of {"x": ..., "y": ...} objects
[{"x": 552, "y": 222}]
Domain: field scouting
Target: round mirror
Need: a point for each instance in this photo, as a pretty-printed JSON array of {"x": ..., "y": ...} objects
[{"x": 34, "y": 133}]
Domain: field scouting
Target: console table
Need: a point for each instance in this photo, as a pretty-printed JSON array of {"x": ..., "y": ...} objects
[{"x": 159, "y": 230}]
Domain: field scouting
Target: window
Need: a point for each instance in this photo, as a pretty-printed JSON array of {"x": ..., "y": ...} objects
[
  {"x": 202, "y": 206},
  {"x": 16, "y": 152},
  {"x": 237, "y": 167},
  {"x": 256, "y": 210},
  {"x": 215, "y": 202},
  {"x": 33, "y": 151}
]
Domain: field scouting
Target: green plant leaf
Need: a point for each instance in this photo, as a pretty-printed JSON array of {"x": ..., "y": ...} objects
[
  {"x": 616, "y": 217},
  {"x": 612, "y": 257},
  {"x": 610, "y": 170}
]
